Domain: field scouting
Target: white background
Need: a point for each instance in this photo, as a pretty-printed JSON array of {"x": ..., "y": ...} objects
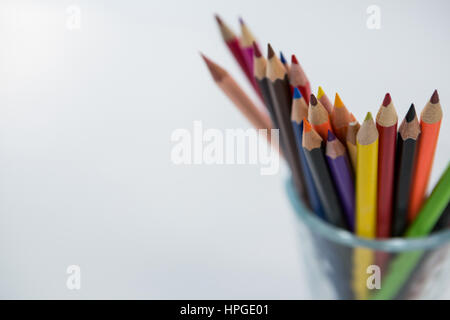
[{"x": 85, "y": 123}]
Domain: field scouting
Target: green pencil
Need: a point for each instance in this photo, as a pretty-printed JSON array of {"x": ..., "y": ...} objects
[
  {"x": 403, "y": 265},
  {"x": 432, "y": 209}
]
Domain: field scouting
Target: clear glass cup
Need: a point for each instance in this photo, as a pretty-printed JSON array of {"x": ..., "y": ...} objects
[{"x": 340, "y": 265}]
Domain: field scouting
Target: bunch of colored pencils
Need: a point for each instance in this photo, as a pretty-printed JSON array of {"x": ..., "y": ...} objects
[{"x": 370, "y": 179}]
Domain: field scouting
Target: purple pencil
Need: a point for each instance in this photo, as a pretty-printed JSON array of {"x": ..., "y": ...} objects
[{"x": 342, "y": 175}]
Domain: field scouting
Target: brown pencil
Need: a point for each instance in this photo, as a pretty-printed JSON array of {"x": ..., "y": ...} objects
[
  {"x": 352, "y": 131},
  {"x": 240, "y": 99},
  {"x": 319, "y": 118}
]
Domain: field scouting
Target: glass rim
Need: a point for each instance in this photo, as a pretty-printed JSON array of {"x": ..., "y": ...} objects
[{"x": 347, "y": 238}]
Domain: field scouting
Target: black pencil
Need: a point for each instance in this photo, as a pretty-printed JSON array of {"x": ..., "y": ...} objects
[
  {"x": 259, "y": 71},
  {"x": 407, "y": 138},
  {"x": 280, "y": 93},
  {"x": 314, "y": 153}
]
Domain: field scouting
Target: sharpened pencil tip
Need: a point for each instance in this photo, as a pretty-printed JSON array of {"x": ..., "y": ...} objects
[
  {"x": 337, "y": 101},
  {"x": 270, "y": 52},
  {"x": 297, "y": 94},
  {"x": 283, "y": 60},
  {"x": 387, "y": 100},
  {"x": 218, "y": 19},
  {"x": 241, "y": 21},
  {"x": 256, "y": 50},
  {"x": 313, "y": 100},
  {"x": 331, "y": 136},
  {"x": 320, "y": 92},
  {"x": 306, "y": 125},
  {"x": 294, "y": 59},
  {"x": 411, "y": 113},
  {"x": 368, "y": 116},
  {"x": 435, "y": 97},
  {"x": 352, "y": 117}
]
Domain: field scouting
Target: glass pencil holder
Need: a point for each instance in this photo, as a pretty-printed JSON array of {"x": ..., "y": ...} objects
[{"x": 340, "y": 265}]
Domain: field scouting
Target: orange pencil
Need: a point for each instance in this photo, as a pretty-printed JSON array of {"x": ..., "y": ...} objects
[
  {"x": 430, "y": 123},
  {"x": 318, "y": 117},
  {"x": 340, "y": 118}
]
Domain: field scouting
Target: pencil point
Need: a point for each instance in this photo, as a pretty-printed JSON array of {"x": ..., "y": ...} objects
[
  {"x": 387, "y": 100},
  {"x": 337, "y": 101},
  {"x": 368, "y": 116},
  {"x": 294, "y": 59},
  {"x": 306, "y": 125},
  {"x": 352, "y": 117},
  {"x": 241, "y": 21},
  {"x": 270, "y": 52},
  {"x": 331, "y": 136},
  {"x": 313, "y": 100},
  {"x": 411, "y": 113},
  {"x": 256, "y": 50},
  {"x": 435, "y": 97},
  {"x": 297, "y": 94},
  {"x": 283, "y": 60},
  {"x": 320, "y": 93},
  {"x": 218, "y": 19}
]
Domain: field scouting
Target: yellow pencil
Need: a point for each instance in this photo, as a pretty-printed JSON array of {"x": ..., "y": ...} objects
[{"x": 366, "y": 178}]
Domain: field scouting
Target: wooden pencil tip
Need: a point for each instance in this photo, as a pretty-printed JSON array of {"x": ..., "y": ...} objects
[
  {"x": 297, "y": 93},
  {"x": 337, "y": 101},
  {"x": 313, "y": 100},
  {"x": 368, "y": 116},
  {"x": 331, "y": 136},
  {"x": 270, "y": 52},
  {"x": 294, "y": 59},
  {"x": 306, "y": 125},
  {"x": 218, "y": 19},
  {"x": 320, "y": 92},
  {"x": 352, "y": 117},
  {"x": 241, "y": 21},
  {"x": 387, "y": 100},
  {"x": 256, "y": 50},
  {"x": 435, "y": 97},
  {"x": 411, "y": 113},
  {"x": 283, "y": 60}
]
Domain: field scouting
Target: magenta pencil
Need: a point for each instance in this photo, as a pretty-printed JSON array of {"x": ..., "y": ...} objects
[{"x": 342, "y": 175}]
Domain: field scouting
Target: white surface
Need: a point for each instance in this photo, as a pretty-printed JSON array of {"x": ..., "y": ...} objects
[{"x": 85, "y": 125}]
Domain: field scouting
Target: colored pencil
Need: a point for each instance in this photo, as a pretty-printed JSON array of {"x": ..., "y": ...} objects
[
  {"x": 340, "y": 118},
  {"x": 342, "y": 176},
  {"x": 319, "y": 118},
  {"x": 247, "y": 43},
  {"x": 323, "y": 98},
  {"x": 366, "y": 178},
  {"x": 433, "y": 208},
  {"x": 352, "y": 130},
  {"x": 407, "y": 137},
  {"x": 300, "y": 111},
  {"x": 430, "y": 123},
  {"x": 387, "y": 130},
  {"x": 298, "y": 78},
  {"x": 282, "y": 103},
  {"x": 232, "y": 90},
  {"x": 234, "y": 45},
  {"x": 314, "y": 153},
  {"x": 444, "y": 220},
  {"x": 259, "y": 70},
  {"x": 284, "y": 61}
]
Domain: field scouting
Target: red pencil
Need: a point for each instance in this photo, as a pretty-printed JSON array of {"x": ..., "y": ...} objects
[
  {"x": 298, "y": 79},
  {"x": 233, "y": 44},
  {"x": 387, "y": 130}
]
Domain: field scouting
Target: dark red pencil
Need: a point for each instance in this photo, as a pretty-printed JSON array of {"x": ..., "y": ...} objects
[
  {"x": 387, "y": 130},
  {"x": 234, "y": 45}
]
